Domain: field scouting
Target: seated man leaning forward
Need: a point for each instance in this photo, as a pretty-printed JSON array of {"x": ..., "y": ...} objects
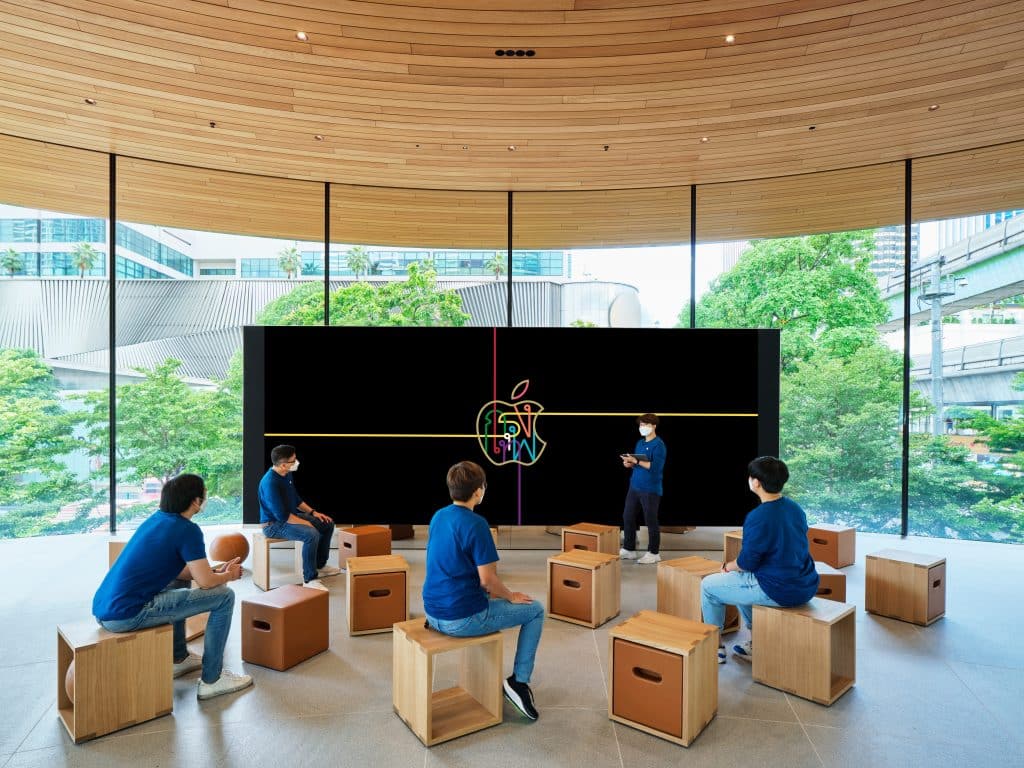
[
  {"x": 774, "y": 566},
  {"x": 148, "y": 585},
  {"x": 462, "y": 594},
  {"x": 286, "y": 516}
]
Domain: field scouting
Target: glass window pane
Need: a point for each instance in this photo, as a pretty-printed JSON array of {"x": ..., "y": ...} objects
[{"x": 803, "y": 254}]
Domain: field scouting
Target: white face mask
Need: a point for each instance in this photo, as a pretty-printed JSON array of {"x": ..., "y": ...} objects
[
  {"x": 295, "y": 466},
  {"x": 482, "y": 492},
  {"x": 645, "y": 430}
]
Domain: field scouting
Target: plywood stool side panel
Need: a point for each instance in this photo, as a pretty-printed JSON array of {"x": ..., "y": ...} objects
[
  {"x": 480, "y": 675},
  {"x": 412, "y": 677},
  {"x": 700, "y": 688}
]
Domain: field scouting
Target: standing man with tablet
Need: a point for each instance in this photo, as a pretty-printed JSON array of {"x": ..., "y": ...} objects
[{"x": 644, "y": 495}]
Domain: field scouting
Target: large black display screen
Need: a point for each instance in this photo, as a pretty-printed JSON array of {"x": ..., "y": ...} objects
[{"x": 378, "y": 415}]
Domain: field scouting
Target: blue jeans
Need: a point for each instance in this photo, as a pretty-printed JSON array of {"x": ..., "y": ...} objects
[
  {"x": 739, "y": 588},
  {"x": 175, "y": 604},
  {"x": 501, "y": 614},
  {"x": 648, "y": 503},
  {"x": 316, "y": 541}
]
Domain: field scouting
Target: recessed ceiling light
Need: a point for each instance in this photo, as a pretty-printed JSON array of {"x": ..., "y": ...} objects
[
  {"x": 607, "y": 147},
  {"x": 90, "y": 102},
  {"x": 730, "y": 38},
  {"x": 932, "y": 107},
  {"x": 319, "y": 137},
  {"x": 704, "y": 139},
  {"x": 511, "y": 147},
  {"x": 213, "y": 124},
  {"x": 465, "y": 146},
  {"x": 811, "y": 127},
  {"x": 301, "y": 36}
]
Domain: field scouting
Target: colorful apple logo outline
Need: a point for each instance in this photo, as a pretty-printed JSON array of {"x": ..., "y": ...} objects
[{"x": 507, "y": 431}]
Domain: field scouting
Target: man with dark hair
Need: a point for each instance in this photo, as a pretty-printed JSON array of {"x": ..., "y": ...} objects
[
  {"x": 644, "y": 495},
  {"x": 285, "y": 515},
  {"x": 774, "y": 566},
  {"x": 462, "y": 594},
  {"x": 148, "y": 585}
]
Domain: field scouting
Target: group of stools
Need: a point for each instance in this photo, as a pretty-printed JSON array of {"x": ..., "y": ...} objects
[{"x": 663, "y": 676}]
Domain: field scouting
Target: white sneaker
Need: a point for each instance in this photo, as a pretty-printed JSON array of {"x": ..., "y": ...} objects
[
  {"x": 189, "y": 664},
  {"x": 327, "y": 570},
  {"x": 316, "y": 584},
  {"x": 627, "y": 554},
  {"x": 228, "y": 682},
  {"x": 649, "y": 559}
]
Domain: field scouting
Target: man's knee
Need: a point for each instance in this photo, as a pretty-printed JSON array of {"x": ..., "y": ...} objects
[
  {"x": 538, "y": 611},
  {"x": 224, "y": 592}
]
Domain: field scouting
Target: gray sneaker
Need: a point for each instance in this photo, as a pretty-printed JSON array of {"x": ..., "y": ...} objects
[
  {"x": 627, "y": 554},
  {"x": 228, "y": 682},
  {"x": 744, "y": 651},
  {"x": 327, "y": 570},
  {"x": 189, "y": 664}
]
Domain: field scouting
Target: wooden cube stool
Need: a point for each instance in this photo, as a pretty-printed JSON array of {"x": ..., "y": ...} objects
[
  {"x": 664, "y": 675},
  {"x": 732, "y": 543},
  {"x": 378, "y": 593},
  {"x": 679, "y": 583},
  {"x": 584, "y": 587},
  {"x": 809, "y": 650},
  {"x": 591, "y": 537},
  {"x": 436, "y": 716},
  {"x": 284, "y": 626},
  {"x": 120, "y": 678},
  {"x": 401, "y": 531},
  {"x": 832, "y": 544},
  {"x": 362, "y": 541},
  {"x": 494, "y": 535},
  {"x": 906, "y": 586},
  {"x": 831, "y": 583},
  {"x": 195, "y": 626},
  {"x": 261, "y": 561}
]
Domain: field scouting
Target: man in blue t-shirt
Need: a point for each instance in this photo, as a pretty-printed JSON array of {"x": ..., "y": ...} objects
[
  {"x": 644, "y": 495},
  {"x": 148, "y": 586},
  {"x": 462, "y": 594},
  {"x": 774, "y": 566},
  {"x": 285, "y": 515}
]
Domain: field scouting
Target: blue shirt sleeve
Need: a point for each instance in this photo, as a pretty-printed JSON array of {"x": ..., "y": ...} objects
[
  {"x": 755, "y": 542},
  {"x": 192, "y": 547},
  {"x": 273, "y": 499},
  {"x": 481, "y": 544},
  {"x": 658, "y": 459}
]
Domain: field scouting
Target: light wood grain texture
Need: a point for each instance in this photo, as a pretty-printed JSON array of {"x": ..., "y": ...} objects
[
  {"x": 905, "y": 585},
  {"x": 52, "y": 177},
  {"x": 591, "y": 537},
  {"x": 261, "y": 561},
  {"x": 438, "y": 716},
  {"x": 831, "y": 582},
  {"x": 967, "y": 183},
  {"x": 809, "y": 650},
  {"x": 121, "y": 679},
  {"x": 362, "y": 541},
  {"x": 732, "y": 543},
  {"x": 679, "y": 583},
  {"x": 584, "y": 587},
  {"x": 378, "y": 593},
  {"x": 645, "y": 694},
  {"x": 832, "y": 544}
]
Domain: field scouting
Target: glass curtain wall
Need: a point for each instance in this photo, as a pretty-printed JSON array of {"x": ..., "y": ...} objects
[
  {"x": 967, "y": 346},
  {"x": 54, "y": 338},
  {"x": 417, "y": 257},
  {"x": 609, "y": 259},
  {"x": 804, "y": 254},
  {"x": 199, "y": 255}
]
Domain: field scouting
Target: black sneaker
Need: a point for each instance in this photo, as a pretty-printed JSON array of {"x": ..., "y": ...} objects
[{"x": 521, "y": 697}]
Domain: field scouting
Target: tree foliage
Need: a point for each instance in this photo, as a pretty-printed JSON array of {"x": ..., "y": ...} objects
[
  {"x": 358, "y": 260},
  {"x": 83, "y": 257},
  {"x": 11, "y": 262},
  {"x": 289, "y": 260}
]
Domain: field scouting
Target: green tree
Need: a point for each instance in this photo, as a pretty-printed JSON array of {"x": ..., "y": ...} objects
[
  {"x": 496, "y": 264},
  {"x": 11, "y": 262},
  {"x": 582, "y": 324},
  {"x": 289, "y": 260},
  {"x": 358, "y": 260},
  {"x": 83, "y": 257}
]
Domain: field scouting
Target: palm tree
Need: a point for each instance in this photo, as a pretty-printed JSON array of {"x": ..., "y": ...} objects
[
  {"x": 358, "y": 260},
  {"x": 11, "y": 261},
  {"x": 496, "y": 265},
  {"x": 83, "y": 258},
  {"x": 289, "y": 260}
]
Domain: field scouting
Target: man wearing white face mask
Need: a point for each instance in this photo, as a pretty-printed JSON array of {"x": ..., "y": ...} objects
[
  {"x": 644, "y": 495},
  {"x": 285, "y": 515}
]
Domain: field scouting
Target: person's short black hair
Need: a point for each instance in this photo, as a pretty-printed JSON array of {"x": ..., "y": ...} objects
[
  {"x": 280, "y": 453},
  {"x": 463, "y": 480},
  {"x": 648, "y": 418},
  {"x": 771, "y": 472},
  {"x": 179, "y": 492}
]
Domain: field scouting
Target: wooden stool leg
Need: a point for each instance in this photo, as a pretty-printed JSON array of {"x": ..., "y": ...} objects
[
  {"x": 261, "y": 561},
  {"x": 298, "y": 562}
]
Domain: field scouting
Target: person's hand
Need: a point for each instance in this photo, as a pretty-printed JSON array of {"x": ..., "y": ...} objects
[
  {"x": 322, "y": 517},
  {"x": 233, "y": 568},
  {"x": 521, "y": 598}
]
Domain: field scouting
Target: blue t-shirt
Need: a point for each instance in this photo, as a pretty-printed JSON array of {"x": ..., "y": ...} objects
[
  {"x": 153, "y": 557},
  {"x": 459, "y": 541},
  {"x": 649, "y": 480},
  {"x": 776, "y": 551},
  {"x": 278, "y": 497}
]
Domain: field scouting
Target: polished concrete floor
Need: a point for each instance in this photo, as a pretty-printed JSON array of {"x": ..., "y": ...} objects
[{"x": 948, "y": 694}]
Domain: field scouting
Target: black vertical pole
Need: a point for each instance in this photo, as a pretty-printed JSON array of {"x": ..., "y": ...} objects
[
  {"x": 905, "y": 478},
  {"x": 508, "y": 258},
  {"x": 327, "y": 253},
  {"x": 112, "y": 335},
  {"x": 693, "y": 255}
]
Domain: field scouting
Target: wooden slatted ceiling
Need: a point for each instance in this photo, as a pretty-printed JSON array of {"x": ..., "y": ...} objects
[
  {"x": 594, "y": 219},
  {"x": 967, "y": 183},
  {"x": 53, "y": 178},
  {"x": 217, "y": 201},
  {"x": 834, "y": 201},
  {"x": 409, "y": 93}
]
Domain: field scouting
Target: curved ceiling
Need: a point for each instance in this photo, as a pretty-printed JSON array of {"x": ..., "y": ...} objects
[{"x": 617, "y": 93}]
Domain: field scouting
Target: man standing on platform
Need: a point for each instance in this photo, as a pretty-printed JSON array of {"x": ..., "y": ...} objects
[{"x": 644, "y": 494}]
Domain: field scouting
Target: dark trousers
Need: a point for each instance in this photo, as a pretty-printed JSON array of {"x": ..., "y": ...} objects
[{"x": 638, "y": 502}]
